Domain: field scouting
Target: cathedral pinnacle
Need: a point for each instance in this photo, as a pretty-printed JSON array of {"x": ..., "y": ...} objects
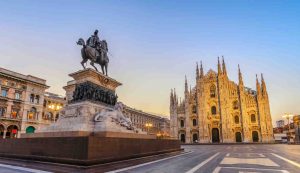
[
  {"x": 263, "y": 85},
  {"x": 201, "y": 70},
  {"x": 224, "y": 66},
  {"x": 171, "y": 97},
  {"x": 186, "y": 86},
  {"x": 257, "y": 86},
  {"x": 197, "y": 71},
  {"x": 240, "y": 76},
  {"x": 219, "y": 67}
]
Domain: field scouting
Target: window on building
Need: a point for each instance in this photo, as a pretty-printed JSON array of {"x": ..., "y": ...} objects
[
  {"x": 37, "y": 99},
  {"x": 253, "y": 118},
  {"x": 181, "y": 123},
  {"x": 194, "y": 122},
  {"x": 194, "y": 109},
  {"x": 32, "y": 114},
  {"x": 31, "y": 98},
  {"x": 213, "y": 110},
  {"x": 48, "y": 116},
  {"x": 2, "y": 111},
  {"x": 14, "y": 113},
  {"x": 213, "y": 91},
  {"x": 236, "y": 119},
  {"x": 17, "y": 96},
  {"x": 235, "y": 105},
  {"x": 4, "y": 92}
]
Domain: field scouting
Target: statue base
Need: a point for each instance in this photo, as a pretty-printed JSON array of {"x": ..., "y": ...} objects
[
  {"x": 90, "y": 93},
  {"x": 84, "y": 150},
  {"x": 90, "y": 129}
]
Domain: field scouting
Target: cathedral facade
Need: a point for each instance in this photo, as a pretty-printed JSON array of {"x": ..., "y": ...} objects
[{"x": 217, "y": 110}]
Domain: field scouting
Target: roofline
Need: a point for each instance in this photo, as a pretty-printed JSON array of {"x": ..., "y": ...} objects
[{"x": 22, "y": 77}]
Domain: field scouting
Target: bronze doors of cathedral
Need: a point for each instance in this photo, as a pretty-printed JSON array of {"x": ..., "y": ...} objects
[
  {"x": 255, "y": 136},
  {"x": 215, "y": 135},
  {"x": 238, "y": 137}
]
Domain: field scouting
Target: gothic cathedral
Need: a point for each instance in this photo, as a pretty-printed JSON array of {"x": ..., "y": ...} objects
[{"x": 217, "y": 110}]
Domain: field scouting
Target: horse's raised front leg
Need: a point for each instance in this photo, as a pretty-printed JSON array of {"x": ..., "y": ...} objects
[{"x": 92, "y": 64}]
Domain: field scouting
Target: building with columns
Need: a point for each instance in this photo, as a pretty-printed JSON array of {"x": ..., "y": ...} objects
[
  {"x": 148, "y": 122},
  {"x": 217, "y": 110},
  {"x": 52, "y": 106},
  {"x": 21, "y": 103}
]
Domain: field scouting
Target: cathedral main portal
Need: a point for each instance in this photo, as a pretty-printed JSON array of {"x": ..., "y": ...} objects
[{"x": 215, "y": 135}]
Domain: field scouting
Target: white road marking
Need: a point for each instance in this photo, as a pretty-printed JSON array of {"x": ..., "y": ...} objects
[
  {"x": 194, "y": 169},
  {"x": 22, "y": 169},
  {"x": 272, "y": 150},
  {"x": 148, "y": 163},
  {"x": 261, "y": 155},
  {"x": 218, "y": 169},
  {"x": 256, "y": 161},
  {"x": 227, "y": 155},
  {"x": 287, "y": 160}
]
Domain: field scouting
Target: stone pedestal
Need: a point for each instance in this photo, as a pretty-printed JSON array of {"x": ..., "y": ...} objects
[
  {"x": 89, "y": 94},
  {"x": 91, "y": 129}
]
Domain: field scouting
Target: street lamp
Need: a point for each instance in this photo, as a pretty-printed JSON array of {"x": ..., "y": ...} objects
[
  {"x": 148, "y": 125},
  {"x": 288, "y": 116},
  {"x": 55, "y": 107}
]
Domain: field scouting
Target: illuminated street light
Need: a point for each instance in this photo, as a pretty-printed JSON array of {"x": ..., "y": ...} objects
[
  {"x": 288, "y": 116},
  {"x": 55, "y": 107},
  {"x": 148, "y": 125}
]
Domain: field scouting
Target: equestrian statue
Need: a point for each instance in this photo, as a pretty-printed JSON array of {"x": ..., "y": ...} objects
[{"x": 96, "y": 51}]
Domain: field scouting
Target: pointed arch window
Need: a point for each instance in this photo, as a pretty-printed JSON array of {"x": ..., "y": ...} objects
[
  {"x": 253, "y": 118},
  {"x": 194, "y": 109},
  {"x": 212, "y": 91},
  {"x": 194, "y": 122},
  {"x": 235, "y": 105},
  {"x": 181, "y": 123},
  {"x": 213, "y": 110},
  {"x": 236, "y": 119}
]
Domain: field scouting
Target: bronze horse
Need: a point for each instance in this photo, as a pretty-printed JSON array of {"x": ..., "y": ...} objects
[{"x": 90, "y": 53}]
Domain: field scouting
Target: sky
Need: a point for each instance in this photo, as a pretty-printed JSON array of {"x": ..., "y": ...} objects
[{"x": 154, "y": 44}]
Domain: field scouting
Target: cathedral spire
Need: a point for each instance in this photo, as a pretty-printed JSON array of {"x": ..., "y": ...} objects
[
  {"x": 172, "y": 98},
  {"x": 197, "y": 71},
  {"x": 263, "y": 85},
  {"x": 219, "y": 67},
  {"x": 175, "y": 97},
  {"x": 186, "y": 86},
  {"x": 258, "y": 90},
  {"x": 201, "y": 70},
  {"x": 240, "y": 77},
  {"x": 224, "y": 66}
]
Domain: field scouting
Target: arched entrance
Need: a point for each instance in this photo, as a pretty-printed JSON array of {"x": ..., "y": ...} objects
[
  {"x": 30, "y": 129},
  {"x": 12, "y": 131},
  {"x": 195, "y": 137},
  {"x": 182, "y": 138},
  {"x": 1, "y": 131},
  {"x": 238, "y": 137},
  {"x": 215, "y": 135},
  {"x": 255, "y": 136}
]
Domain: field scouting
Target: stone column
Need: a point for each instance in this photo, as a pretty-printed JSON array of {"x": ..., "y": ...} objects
[{"x": 4, "y": 133}]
